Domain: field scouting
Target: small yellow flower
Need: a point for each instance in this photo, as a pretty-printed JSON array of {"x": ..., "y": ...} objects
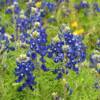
[
  {"x": 38, "y": 4},
  {"x": 74, "y": 24},
  {"x": 78, "y": 32}
]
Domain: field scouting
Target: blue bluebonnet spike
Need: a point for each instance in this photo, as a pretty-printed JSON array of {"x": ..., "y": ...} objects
[
  {"x": 24, "y": 70},
  {"x": 84, "y": 4},
  {"x": 44, "y": 68}
]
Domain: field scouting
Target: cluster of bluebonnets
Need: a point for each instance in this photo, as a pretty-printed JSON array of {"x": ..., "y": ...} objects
[
  {"x": 95, "y": 63},
  {"x": 65, "y": 47},
  {"x": 95, "y": 57},
  {"x": 5, "y": 41},
  {"x": 82, "y": 5}
]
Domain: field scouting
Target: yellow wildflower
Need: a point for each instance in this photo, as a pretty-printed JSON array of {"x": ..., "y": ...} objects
[
  {"x": 78, "y": 32},
  {"x": 38, "y": 4},
  {"x": 74, "y": 24}
]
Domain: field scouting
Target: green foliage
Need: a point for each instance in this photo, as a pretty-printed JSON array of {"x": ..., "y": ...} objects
[{"x": 82, "y": 84}]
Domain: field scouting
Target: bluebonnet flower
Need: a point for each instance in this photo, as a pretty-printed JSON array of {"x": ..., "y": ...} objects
[
  {"x": 36, "y": 38},
  {"x": 43, "y": 13},
  {"x": 12, "y": 39},
  {"x": 25, "y": 37},
  {"x": 59, "y": 1},
  {"x": 15, "y": 1},
  {"x": 59, "y": 71},
  {"x": 22, "y": 24},
  {"x": 2, "y": 30},
  {"x": 38, "y": 45},
  {"x": 8, "y": 2},
  {"x": 59, "y": 76},
  {"x": 84, "y": 4},
  {"x": 97, "y": 85},
  {"x": 8, "y": 11},
  {"x": 98, "y": 43},
  {"x": 76, "y": 52},
  {"x": 68, "y": 48},
  {"x": 77, "y": 7},
  {"x": 55, "y": 50},
  {"x": 5, "y": 41},
  {"x": 2, "y": 4},
  {"x": 44, "y": 68},
  {"x": 16, "y": 9},
  {"x": 96, "y": 7},
  {"x": 31, "y": 54},
  {"x": 51, "y": 6},
  {"x": 34, "y": 34},
  {"x": 95, "y": 58},
  {"x": 24, "y": 70}
]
